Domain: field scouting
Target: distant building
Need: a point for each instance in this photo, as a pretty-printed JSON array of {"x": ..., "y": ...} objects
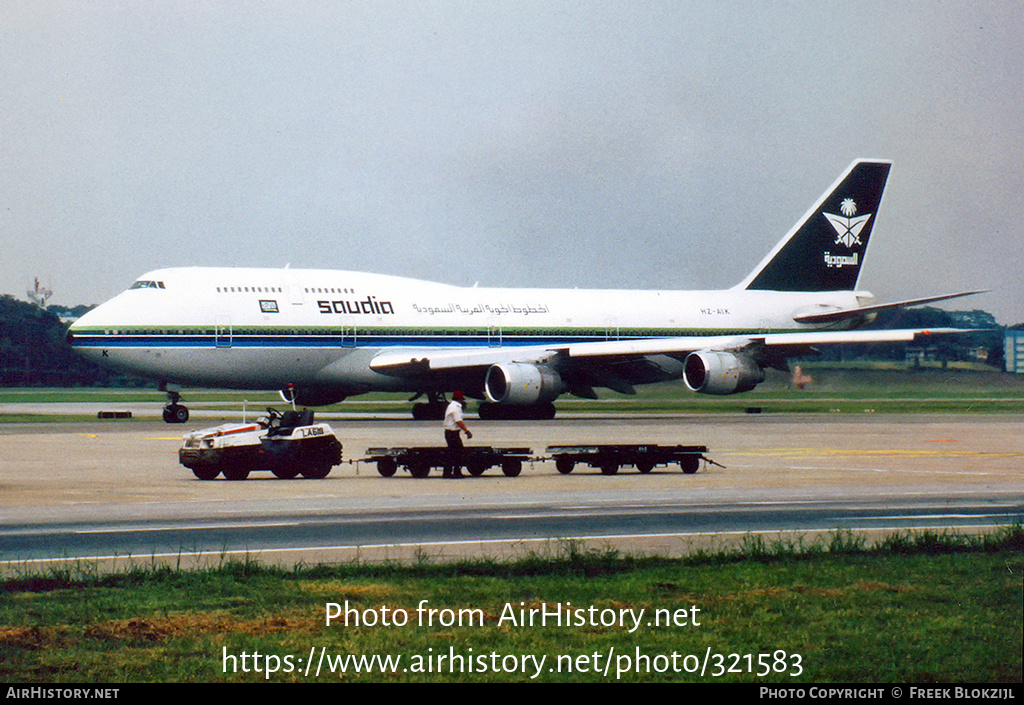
[
  {"x": 39, "y": 294},
  {"x": 1015, "y": 351}
]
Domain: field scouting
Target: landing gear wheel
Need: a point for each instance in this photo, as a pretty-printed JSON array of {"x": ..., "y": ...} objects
[
  {"x": 428, "y": 412},
  {"x": 175, "y": 413},
  {"x": 508, "y": 412},
  {"x": 546, "y": 412},
  {"x": 433, "y": 410}
]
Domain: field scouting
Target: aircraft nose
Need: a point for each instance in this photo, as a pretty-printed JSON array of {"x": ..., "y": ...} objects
[
  {"x": 78, "y": 326},
  {"x": 73, "y": 328}
]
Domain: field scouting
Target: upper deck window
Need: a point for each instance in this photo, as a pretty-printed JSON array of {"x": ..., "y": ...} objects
[{"x": 143, "y": 284}]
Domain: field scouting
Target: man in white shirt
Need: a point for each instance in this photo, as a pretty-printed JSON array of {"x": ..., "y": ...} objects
[{"x": 453, "y": 424}]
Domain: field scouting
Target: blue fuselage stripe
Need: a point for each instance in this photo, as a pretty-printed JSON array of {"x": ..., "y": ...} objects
[{"x": 323, "y": 341}]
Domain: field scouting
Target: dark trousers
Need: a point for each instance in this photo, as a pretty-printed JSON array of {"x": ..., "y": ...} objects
[{"x": 456, "y": 453}]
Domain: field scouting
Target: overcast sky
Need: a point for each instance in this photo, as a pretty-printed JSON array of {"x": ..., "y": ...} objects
[{"x": 548, "y": 144}]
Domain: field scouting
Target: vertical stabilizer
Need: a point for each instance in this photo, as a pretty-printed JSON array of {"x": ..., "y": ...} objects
[{"x": 825, "y": 250}]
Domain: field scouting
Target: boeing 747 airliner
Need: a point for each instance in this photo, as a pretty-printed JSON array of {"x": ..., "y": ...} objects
[{"x": 325, "y": 335}]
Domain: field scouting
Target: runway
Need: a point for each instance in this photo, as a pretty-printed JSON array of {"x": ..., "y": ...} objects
[{"x": 114, "y": 491}]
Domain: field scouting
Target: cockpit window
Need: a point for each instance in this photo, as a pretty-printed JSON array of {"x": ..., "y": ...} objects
[{"x": 143, "y": 284}]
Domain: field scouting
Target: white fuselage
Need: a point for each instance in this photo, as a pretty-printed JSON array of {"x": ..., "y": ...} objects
[{"x": 267, "y": 328}]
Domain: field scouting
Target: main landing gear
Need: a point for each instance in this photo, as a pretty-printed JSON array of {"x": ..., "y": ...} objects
[
  {"x": 432, "y": 410},
  {"x": 508, "y": 412},
  {"x": 175, "y": 412}
]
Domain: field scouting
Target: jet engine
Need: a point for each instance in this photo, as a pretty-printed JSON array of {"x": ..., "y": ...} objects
[
  {"x": 717, "y": 372},
  {"x": 520, "y": 383},
  {"x": 311, "y": 396}
]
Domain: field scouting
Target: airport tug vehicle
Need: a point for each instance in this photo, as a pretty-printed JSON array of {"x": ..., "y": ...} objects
[{"x": 287, "y": 444}]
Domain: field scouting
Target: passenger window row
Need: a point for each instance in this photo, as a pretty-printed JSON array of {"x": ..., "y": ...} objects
[{"x": 249, "y": 290}]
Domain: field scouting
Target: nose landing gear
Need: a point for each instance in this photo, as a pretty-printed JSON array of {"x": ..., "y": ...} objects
[{"x": 175, "y": 412}]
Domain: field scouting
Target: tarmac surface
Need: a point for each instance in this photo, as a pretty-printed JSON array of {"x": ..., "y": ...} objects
[{"x": 113, "y": 491}]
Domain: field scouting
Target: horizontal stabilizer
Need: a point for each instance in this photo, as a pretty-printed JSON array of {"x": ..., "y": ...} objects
[{"x": 834, "y": 316}]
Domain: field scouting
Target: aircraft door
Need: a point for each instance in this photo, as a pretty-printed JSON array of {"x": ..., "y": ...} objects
[
  {"x": 611, "y": 329},
  {"x": 222, "y": 334},
  {"x": 493, "y": 335},
  {"x": 348, "y": 334},
  {"x": 296, "y": 296}
]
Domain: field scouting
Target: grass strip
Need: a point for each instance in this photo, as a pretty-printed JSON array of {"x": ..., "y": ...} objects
[{"x": 914, "y": 607}]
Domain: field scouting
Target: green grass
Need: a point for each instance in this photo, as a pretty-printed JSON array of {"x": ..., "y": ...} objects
[
  {"x": 50, "y": 395},
  {"x": 853, "y": 388},
  {"x": 913, "y": 608}
]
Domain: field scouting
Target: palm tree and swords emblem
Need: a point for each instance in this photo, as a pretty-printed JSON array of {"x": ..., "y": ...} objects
[{"x": 848, "y": 227}]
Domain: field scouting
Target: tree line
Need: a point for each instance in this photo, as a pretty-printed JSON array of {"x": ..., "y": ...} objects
[
  {"x": 983, "y": 344},
  {"x": 34, "y": 351}
]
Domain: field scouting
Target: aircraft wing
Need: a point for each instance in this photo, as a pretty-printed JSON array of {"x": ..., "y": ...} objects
[
  {"x": 685, "y": 345},
  {"x": 426, "y": 360}
]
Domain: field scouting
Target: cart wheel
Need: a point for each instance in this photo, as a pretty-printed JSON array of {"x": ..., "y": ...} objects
[
  {"x": 512, "y": 468},
  {"x": 419, "y": 468},
  {"x": 689, "y": 465},
  {"x": 564, "y": 465},
  {"x": 387, "y": 467},
  {"x": 476, "y": 469},
  {"x": 645, "y": 466},
  {"x": 609, "y": 468}
]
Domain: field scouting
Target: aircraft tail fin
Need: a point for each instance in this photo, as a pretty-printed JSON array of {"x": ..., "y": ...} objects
[{"x": 825, "y": 250}]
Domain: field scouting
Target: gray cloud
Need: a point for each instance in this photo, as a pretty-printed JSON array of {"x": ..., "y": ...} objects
[{"x": 523, "y": 144}]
